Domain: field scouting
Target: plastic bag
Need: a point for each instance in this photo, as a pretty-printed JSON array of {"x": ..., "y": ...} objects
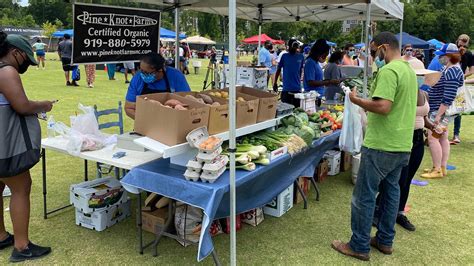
[
  {"x": 469, "y": 97},
  {"x": 459, "y": 103},
  {"x": 188, "y": 224},
  {"x": 84, "y": 135},
  {"x": 352, "y": 133}
]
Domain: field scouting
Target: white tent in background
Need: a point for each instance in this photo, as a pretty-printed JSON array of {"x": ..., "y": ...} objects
[{"x": 198, "y": 40}]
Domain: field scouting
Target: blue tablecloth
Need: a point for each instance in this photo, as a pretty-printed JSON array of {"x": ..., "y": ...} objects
[{"x": 254, "y": 189}]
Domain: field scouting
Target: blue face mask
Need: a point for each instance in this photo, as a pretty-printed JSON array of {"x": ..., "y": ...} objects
[
  {"x": 379, "y": 63},
  {"x": 351, "y": 53},
  {"x": 148, "y": 78}
]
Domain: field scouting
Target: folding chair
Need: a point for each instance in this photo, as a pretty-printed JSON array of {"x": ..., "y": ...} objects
[{"x": 103, "y": 169}]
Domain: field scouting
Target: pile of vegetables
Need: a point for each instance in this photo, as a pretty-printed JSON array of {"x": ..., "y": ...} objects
[
  {"x": 324, "y": 117},
  {"x": 171, "y": 103},
  {"x": 203, "y": 98},
  {"x": 274, "y": 140},
  {"x": 358, "y": 82},
  {"x": 247, "y": 156},
  {"x": 299, "y": 124},
  {"x": 224, "y": 95}
]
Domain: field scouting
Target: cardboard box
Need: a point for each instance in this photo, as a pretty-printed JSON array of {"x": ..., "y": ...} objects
[
  {"x": 218, "y": 115},
  {"x": 246, "y": 111},
  {"x": 334, "y": 160},
  {"x": 100, "y": 220},
  {"x": 346, "y": 161},
  {"x": 321, "y": 172},
  {"x": 250, "y": 76},
  {"x": 267, "y": 105},
  {"x": 150, "y": 220},
  {"x": 253, "y": 217},
  {"x": 97, "y": 194},
  {"x": 167, "y": 125},
  {"x": 281, "y": 204},
  {"x": 305, "y": 185}
]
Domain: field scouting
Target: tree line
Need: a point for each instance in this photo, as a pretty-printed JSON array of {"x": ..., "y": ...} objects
[{"x": 440, "y": 19}]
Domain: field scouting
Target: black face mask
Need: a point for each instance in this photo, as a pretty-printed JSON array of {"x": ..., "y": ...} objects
[{"x": 23, "y": 66}]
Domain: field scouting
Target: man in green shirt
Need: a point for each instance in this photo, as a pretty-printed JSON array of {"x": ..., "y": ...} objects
[{"x": 386, "y": 149}]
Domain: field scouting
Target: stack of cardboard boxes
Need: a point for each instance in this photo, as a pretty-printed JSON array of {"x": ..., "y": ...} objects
[{"x": 99, "y": 203}]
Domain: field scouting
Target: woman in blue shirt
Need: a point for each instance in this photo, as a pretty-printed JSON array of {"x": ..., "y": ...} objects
[
  {"x": 154, "y": 77},
  {"x": 313, "y": 73},
  {"x": 441, "y": 97}
]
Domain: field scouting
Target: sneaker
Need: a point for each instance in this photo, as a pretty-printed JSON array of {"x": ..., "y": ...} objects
[
  {"x": 403, "y": 221},
  {"x": 435, "y": 174},
  {"x": 68, "y": 83},
  {"x": 7, "y": 242},
  {"x": 456, "y": 140},
  {"x": 31, "y": 252},
  {"x": 127, "y": 82},
  {"x": 7, "y": 192}
]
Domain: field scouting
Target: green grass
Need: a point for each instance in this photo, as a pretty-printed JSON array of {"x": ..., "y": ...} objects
[{"x": 442, "y": 211}]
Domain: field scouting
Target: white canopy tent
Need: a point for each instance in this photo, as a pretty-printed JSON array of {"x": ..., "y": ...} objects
[
  {"x": 279, "y": 11},
  {"x": 198, "y": 40}
]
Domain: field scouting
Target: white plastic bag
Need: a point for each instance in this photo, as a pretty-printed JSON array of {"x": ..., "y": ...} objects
[
  {"x": 469, "y": 97},
  {"x": 459, "y": 103},
  {"x": 352, "y": 134},
  {"x": 84, "y": 135}
]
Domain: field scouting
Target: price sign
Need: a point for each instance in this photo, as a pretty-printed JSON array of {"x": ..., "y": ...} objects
[{"x": 106, "y": 34}]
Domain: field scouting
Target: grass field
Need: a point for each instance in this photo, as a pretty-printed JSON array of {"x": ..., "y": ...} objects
[{"x": 442, "y": 211}]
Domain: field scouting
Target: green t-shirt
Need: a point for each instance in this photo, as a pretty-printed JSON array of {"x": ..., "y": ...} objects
[{"x": 393, "y": 132}]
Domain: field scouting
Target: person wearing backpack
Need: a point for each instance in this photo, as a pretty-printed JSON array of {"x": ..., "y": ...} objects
[{"x": 20, "y": 139}]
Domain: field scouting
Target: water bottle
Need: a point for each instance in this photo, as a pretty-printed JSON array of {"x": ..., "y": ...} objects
[{"x": 50, "y": 127}]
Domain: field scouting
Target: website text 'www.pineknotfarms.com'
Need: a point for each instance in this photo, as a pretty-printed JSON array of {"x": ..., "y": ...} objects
[{"x": 114, "y": 52}]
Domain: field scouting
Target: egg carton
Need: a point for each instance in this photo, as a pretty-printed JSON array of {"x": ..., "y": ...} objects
[
  {"x": 215, "y": 165},
  {"x": 194, "y": 165},
  {"x": 211, "y": 178},
  {"x": 191, "y": 175},
  {"x": 208, "y": 157},
  {"x": 198, "y": 136}
]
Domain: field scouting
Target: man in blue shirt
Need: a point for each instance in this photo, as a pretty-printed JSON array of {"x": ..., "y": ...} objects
[
  {"x": 154, "y": 77},
  {"x": 292, "y": 64},
  {"x": 264, "y": 56},
  {"x": 435, "y": 65}
]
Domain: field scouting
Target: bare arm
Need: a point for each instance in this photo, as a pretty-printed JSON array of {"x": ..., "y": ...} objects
[
  {"x": 469, "y": 71},
  {"x": 130, "y": 109},
  {"x": 378, "y": 106},
  {"x": 12, "y": 88},
  {"x": 319, "y": 83}
]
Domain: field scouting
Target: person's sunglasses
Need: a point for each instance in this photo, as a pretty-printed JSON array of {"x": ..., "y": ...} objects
[
  {"x": 409, "y": 50},
  {"x": 351, "y": 50}
]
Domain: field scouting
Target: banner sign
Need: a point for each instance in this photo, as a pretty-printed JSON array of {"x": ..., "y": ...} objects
[{"x": 106, "y": 34}]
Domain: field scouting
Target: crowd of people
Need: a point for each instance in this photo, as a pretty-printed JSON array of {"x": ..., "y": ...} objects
[{"x": 399, "y": 110}]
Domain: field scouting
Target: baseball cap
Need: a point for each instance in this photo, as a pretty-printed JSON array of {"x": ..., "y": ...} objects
[
  {"x": 22, "y": 44},
  {"x": 293, "y": 43},
  {"x": 448, "y": 48}
]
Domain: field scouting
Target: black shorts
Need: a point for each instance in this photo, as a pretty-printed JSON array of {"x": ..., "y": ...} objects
[{"x": 66, "y": 63}]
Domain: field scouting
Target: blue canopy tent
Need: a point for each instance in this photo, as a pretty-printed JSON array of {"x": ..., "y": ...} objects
[
  {"x": 332, "y": 44},
  {"x": 359, "y": 45},
  {"x": 414, "y": 41},
  {"x": 437, "y": 44},
  {"x": 164, "y": 33},
  {"x": 61, "y": 33}
]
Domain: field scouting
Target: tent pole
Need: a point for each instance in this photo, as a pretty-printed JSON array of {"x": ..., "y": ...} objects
[
  {"x": 401, "y": 35},
  {"x": 176, "y": 29},
  {"x": 367, "y": 48},
  {"x": 259, "y": 41},
  {"x": 232, "y": 116}
]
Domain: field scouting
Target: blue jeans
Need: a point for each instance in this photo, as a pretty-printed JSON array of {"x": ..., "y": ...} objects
[
  {"x": 457, "y": 125},
  {"x": 379, "y": 172}
]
